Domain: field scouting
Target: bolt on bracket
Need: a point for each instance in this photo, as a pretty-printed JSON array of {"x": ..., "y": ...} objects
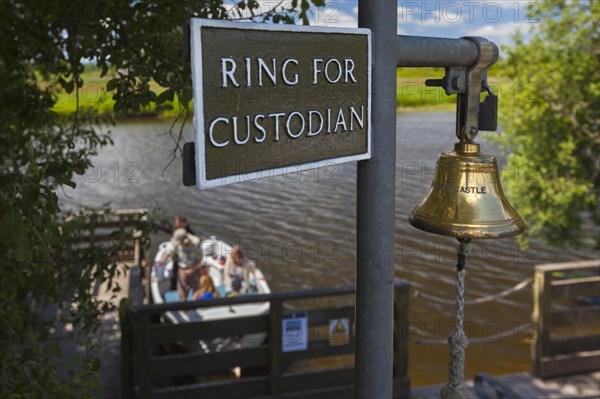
[{"x": 468, "y": 83}]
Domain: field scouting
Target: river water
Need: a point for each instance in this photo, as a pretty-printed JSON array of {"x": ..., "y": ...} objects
[{"x": 300, "y": 228}]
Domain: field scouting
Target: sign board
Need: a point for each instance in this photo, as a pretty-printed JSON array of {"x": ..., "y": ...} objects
[
  {"x": 294, "y": 332},
  {"x": 275, "y": 99},
  {"x": 339, "y": 332}
]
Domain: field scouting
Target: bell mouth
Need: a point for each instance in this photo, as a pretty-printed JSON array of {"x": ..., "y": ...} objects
[{"x": 477, "y": 230}]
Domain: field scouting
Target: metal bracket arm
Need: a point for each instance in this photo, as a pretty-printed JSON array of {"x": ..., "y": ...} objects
[
  {"x": 467, "y": 116},
  {"x": 466, "y": 61}
]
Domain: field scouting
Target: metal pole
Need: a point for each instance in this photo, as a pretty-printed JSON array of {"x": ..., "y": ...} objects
[
  {"x": 419, "y": 51},
  {"x": 376, "y": 212}
]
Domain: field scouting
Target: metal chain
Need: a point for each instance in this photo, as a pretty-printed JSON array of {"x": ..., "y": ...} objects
[{"x": 458, "y": 340}]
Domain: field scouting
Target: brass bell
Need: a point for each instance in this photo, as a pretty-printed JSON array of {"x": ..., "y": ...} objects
[{"x": 466, "y": 198}]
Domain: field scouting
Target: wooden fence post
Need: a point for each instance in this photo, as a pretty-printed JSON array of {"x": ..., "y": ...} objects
[
  {"x": 143, "y": 354},
  {"x": 541, "y": 307},
  {"x": 401, "y": 333},
  {"x": 275, "y": 312},
  {"x": 127, "y": 362}
]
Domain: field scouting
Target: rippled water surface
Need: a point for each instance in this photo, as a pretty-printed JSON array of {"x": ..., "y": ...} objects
[{"x": 301, "y": 230}]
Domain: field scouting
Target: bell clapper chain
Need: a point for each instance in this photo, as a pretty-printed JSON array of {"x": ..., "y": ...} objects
[{"x": 458, "y": 340}]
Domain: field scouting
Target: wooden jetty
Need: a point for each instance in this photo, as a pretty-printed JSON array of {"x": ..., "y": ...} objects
[
  {"x": 129, "y": 347},
  {"x": 566, "y": 311},
  {"x": 109, "y": 374},
  {"x": 118, "y": 227},
  {"x": 564, "y": 296}
]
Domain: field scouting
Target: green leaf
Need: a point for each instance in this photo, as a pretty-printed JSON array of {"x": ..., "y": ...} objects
[
  {"x": 12, "y": 226},
  {"x": 167, "y": 95},
  {"x": 112, "y": 84}
]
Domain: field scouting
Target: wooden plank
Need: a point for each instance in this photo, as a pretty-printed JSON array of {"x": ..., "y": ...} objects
[
  {"x": 588, "y": 315},
  {"x": 136, "y": 289},
  {"x": 280, "y": 296},
  {"x": 207, "y": 330},
  {"x": 401, "y": 329},
  {"x": 111, "y": 224},
  {"x": 127, "y": 364},
  {"x": 565, "y": 266},
  {"x": 572, "y": 288},
  {"x": 401, "y": 388},
  {"x": 562, "y": 365},
  {"x": 122, "y": 228},
  {"x": 138, "y": 252},
  {"x": 322, "y": 378},
  {"x": 143, "y": 351},
  {"x": 542, "y": 284},
  {"x": 131, "y": 211},
  {"x": 197, "y": 363},
  {"x": 107, "y": 237},
  {"x": 275, "y": 340},
  {"x": 242, "y": 388},
  {"x": 571, "y": 345},
  {"x": 318, "y": 349},
  {"x": 338, "y": 392},
  {"x": 319, "y": 317}
]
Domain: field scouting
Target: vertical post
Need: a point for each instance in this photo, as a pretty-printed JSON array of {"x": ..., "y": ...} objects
[
  {"x": 376, "y": 211},
  {"x": 542, "y": 285},
  {"x": 401, "y": 334},
  {"x": 121, "y": 229},
  {"x": 143, "y": 352},
  {"x": 127, "y": 380},
  {"x": 275, "y": 368}
]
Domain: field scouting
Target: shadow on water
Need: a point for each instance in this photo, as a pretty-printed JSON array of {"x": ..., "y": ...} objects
[{"x": 300, "y": 228}]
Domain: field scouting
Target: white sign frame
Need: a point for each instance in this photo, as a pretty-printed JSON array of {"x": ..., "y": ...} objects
[
  {"x": 196, "y": 25},
  {"x": 294, "y": 345}
]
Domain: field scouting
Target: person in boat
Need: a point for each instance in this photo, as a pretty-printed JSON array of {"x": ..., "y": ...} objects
[
  {"x": 181, "y": 222},
  {"x": 237, "y": 266},
  {"x": 188, "y": 252},
  {"x": 236, "y": 288},
  {"x": 207, "y": 289}
]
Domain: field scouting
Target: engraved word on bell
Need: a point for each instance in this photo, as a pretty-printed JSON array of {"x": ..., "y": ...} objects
[{"x": 466, "y": 198}]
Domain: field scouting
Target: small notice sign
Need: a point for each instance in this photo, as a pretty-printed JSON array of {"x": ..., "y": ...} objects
[
  {"x": 275, "y": 99},
  {"x": 339, "y": 332},
  {"x": 294, "y": 334}
]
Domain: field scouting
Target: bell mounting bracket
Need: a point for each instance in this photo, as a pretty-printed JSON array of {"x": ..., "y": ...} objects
[{"x": 468, "y": 83}]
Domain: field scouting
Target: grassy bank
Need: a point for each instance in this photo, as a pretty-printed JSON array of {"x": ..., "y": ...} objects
[
  {"x": 411, "y": 94},
  {"x": 94, "y": 95}
]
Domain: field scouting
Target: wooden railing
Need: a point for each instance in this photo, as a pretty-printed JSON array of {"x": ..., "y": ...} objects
[
  {"x": 566, "y": 300},
  {"x": 116, "y": 227},
  {"x": 155, "y": 365}
]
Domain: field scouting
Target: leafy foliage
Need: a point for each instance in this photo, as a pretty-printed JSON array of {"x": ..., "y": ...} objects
[
  {"x": 552, "y": 122},
  {"x": 146, "y": 42},
  {"x": 45, "y": 271}
]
